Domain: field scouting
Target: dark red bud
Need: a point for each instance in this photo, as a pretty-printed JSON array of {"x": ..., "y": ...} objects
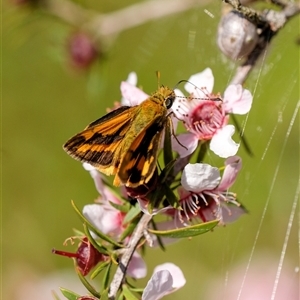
[
  {"x": 86, "y": 256},
  {"x": 82, "y": 49}
]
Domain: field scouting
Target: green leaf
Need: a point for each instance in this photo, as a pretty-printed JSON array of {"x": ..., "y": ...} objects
[
  {"x": 129, "y": 229},
  {"x": 99, "y": 269},
  {"x": 171, "y": 197},
  {"x": 128, "y": 294},
  {"x": 104, "y": 295},
  {"x": 159, "y": 240},
  {"x": 168, "y": 154},
  {"x": 96, "y": 245},
  {"x": 121, "y": 296},
  {"x": 78, "y": 232},
  {"x": 137, "y": 290},
  {"x": 88, "y": 286},
  {"x": 95, "y": 230},
  {"x": 69, "y": 294},
  {"x": 121, "y": 208},
  {"x": 186, "y": 231},
  {"x": 106, "y": 277},
  {"x": 133, "y": 213},
  {"x": 166, "y": 171},
  {"x": 203, "y": 147}
]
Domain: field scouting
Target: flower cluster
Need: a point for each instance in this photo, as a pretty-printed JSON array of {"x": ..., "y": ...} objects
[{"x": 189, "y": 195}]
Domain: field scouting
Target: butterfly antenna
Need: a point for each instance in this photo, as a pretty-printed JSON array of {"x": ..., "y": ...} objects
[
  {"x": 158, "y": 78},
  {"x": 208, "y": 97},
  {"x": 184, "y": 80}
]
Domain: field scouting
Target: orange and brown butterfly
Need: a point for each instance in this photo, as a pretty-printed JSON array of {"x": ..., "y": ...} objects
[{"x": 126, "y": 141}]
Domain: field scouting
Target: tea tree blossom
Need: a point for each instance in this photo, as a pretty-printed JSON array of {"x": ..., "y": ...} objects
[
  {"x": 206, "y": 115},
  {"x": 204, "y": 194}
]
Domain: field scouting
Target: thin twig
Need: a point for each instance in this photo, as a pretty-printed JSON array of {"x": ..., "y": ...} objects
[{"x": 125, "y": 259}]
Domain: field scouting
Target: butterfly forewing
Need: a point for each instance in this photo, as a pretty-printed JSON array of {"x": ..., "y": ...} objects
[{"x": 99, "y": 143}]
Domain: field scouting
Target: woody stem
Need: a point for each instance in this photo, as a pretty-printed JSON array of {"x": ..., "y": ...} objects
[{"x": 125, "y": 259}]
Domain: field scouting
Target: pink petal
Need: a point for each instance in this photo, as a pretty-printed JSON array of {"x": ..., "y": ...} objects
[
  {"x": 204, "y": 79},
  {"x": 231, "y": 212},
  {"x": 188, "y": 144},
  {"x": 131, "y": 94},
  {"x": 200, "y": 177},
  {"x": 158, "y": 286},
  {"x": 233, "y": 165},
  {"x": 222, "y": 143},
  {"x": 137, "y": 268},
  {"x": 237, "y": 100},
  {"x": 226, "y": 212},
  {"x": 178, "y": 277},
  {"x": 105, "y": 218}
]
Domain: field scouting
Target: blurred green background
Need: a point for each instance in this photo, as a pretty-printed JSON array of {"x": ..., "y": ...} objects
[{"x": 45, "y": 101}]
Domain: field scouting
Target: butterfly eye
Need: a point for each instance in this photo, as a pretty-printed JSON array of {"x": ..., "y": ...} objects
[{"x": 169, "y": 101}]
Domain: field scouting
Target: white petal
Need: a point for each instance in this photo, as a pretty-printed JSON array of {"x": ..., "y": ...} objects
[
  {"x": 159, "y": 285},
  {"x": 179, "y": 93},
  {"x": 88, "y": 167},
  {"x": 222, "y": 143},
  {"x": 132, "y": 78},
  {"x": 237, "y": 100},
  {"x": 200, "y": 177},
  {"x": 204, "y": 79},
  {"x": 178, "y": 277}
]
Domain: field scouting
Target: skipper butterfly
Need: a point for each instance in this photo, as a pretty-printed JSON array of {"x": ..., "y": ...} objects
[{"x": 126, "y": 141}]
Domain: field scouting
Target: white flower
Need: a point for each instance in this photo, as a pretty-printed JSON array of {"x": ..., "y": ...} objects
[{"x": 166, "y": 279}]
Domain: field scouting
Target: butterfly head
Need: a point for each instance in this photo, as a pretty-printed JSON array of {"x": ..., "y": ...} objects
[{"x": 164, "y": 95}]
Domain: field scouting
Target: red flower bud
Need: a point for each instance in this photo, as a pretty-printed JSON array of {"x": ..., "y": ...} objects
[
  {"x": 82, "y": 49},
  {"x": 87, "y": 256}
]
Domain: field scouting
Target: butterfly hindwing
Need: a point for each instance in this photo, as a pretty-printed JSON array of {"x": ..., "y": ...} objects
[{"x": 139, "y": 162}]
